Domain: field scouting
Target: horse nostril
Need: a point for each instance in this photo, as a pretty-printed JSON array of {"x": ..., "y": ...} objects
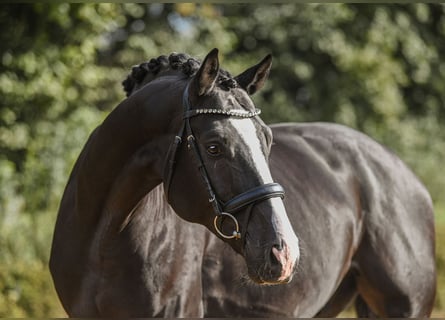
[
  {"x": 279, "y": 246},
  {"x": 273, "y": 258},
  {"x": 277, "y": 254}
]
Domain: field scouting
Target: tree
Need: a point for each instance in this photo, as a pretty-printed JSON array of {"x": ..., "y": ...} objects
[
  {"x": 53, "y": 92},
  {"x": 374, "y": 67}
]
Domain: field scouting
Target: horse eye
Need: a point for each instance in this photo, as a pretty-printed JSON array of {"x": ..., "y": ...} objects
[{"x": 213, "y": 150}]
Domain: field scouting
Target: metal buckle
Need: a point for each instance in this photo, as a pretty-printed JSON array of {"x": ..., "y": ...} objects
[{"x": 235, "y": 234}]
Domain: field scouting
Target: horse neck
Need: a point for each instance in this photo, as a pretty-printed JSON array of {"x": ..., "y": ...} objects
[{"x": 123, "y": 159}]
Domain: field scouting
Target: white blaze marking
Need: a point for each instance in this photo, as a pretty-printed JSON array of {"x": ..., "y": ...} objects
[{"x": 247, "y": 132}]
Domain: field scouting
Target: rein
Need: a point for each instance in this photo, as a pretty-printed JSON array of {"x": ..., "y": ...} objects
[{"x": 248, "y": 198}]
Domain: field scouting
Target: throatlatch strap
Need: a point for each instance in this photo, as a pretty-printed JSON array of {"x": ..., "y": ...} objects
[{"x": 171, "y": 161}]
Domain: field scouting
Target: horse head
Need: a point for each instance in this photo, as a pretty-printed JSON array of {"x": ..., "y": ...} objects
[{"x": 217, "y": 172}]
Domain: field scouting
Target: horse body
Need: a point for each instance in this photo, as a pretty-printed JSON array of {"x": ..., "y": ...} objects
[
  {"x": 365, "y": 225},
  {"x": 364, "y": 222},
  {"x": 146, "y": 275}
]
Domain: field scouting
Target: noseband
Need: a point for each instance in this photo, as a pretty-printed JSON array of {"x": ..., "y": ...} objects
[{"x": 250, "y": 197}]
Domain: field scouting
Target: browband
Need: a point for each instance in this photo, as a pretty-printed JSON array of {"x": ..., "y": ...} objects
[{"x": 238, "y": 113}]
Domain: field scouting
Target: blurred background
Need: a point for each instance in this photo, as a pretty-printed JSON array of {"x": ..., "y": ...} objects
[{"x": 377, "y": 68}]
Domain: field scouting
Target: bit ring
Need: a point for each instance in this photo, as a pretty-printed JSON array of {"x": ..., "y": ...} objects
[{"x": 235, "y": 234}]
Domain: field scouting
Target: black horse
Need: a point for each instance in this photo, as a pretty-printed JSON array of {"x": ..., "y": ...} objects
[
  {"x": 364, "y": 221},
  {"x": 201, "y": 136}
]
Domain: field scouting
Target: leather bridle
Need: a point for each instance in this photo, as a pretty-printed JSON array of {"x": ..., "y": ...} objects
[{"x": 250, "y": 197}]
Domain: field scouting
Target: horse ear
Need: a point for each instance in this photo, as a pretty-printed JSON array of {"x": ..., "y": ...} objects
[
  {"x": 205, "y": 78},
  {"x": 253, "y": 79}
]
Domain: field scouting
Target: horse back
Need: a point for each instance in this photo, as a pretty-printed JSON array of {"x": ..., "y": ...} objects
[{"x": 366, "y": 191}]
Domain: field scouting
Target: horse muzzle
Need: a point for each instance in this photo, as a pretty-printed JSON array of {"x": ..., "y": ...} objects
[
  {"x": 285, "y": 261},
  {"x": 278, "y": 269},
  {"x": 271, "y": 248}
]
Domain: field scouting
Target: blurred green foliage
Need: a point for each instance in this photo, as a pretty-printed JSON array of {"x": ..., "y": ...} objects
[
  {"x": 374, "y": 67},
  {"x": 440, "y": 256}
]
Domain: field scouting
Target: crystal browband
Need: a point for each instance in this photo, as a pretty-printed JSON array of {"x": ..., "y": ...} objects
[{"x": 232, "y": 113}]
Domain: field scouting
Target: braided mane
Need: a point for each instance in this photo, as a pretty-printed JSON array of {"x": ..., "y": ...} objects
[{"x": 147, "y": 71}]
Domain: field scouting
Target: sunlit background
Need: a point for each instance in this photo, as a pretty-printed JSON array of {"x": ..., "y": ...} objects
[{"x": 378, "y": 68}]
